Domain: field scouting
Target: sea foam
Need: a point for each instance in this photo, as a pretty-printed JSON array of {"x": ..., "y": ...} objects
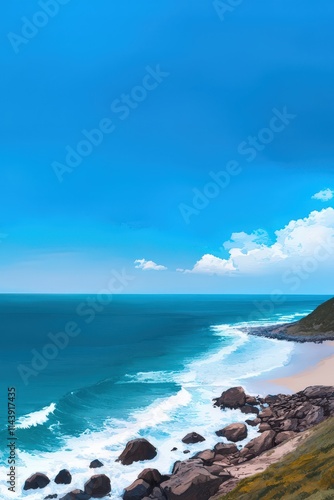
[
  {"x": 35, "y": 418},
  {"x": 165, "y": 421}
]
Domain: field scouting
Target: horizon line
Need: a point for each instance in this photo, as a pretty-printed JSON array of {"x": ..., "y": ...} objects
[{"x": 162, "y": 293}]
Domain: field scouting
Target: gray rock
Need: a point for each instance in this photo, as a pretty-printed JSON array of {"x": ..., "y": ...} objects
[
  {"x": 98, "y": 486},
  {"x": 218, "y": 470},
  {"x": 266, "y": 414},
  {"x": 63, "y": 477},
  {"x": 36, "y": 481},
  {"x": 151, "y": 476},
  {"x": 260, "y": 444},
  {"x": 290, "y": 424},
  {"x": 284, "y": 436},
  {"x": 253, "y": 423},
  {"x": 225, "y": 449},
  {"x": 234, "y": 432},
  {"x": 270, "y": 399},
  {"x": 76, "y": 495},
  {"x": 318, "y": 391},
  {"x": 232, "y": 398},
  {"x": 137, "y": 450},
  {"x": 248, "y": 409},
  {"x": 251, "y": 400},
  {"x": 137, "y": 490},
  {"x": 193, "y": 484},
  {"x": 314, "y": 417},
  {"x": 157, "y": 494},
  {"x": 95, "y": 464},
  {"x": 207, "y": 456},
  {"x": 264, "y": 427},
  {"x": 186, "y": 465},
  {"x": 193, "y": 438}
]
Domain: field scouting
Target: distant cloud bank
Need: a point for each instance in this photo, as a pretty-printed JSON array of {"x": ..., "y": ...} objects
[{"x": 311, "y": 237}]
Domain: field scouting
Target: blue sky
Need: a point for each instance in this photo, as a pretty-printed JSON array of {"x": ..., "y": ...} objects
[{"x": 181, "y": 95}]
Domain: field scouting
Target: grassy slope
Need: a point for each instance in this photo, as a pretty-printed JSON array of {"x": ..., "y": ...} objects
[
  {"x": 320, "y": 321},
  {"x": 306, "y": 473}
]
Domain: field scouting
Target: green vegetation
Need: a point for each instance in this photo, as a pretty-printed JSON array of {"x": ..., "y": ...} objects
[
  {"x": 319, "y": 322},
  {"x": 306, "y": 473}
]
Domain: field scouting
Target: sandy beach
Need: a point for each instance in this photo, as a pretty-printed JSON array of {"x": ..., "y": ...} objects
[
  {"x": 310, "y": 364},
  {"x": 320, "y": 374}
]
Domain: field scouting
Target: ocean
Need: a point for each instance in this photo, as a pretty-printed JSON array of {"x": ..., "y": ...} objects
[{"x": 92, "y": 373}]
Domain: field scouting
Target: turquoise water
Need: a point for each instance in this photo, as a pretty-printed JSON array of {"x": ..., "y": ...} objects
[{"x": 140, "y": 366}]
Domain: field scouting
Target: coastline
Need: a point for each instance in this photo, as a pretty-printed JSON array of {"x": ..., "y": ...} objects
[
  {"x": 321, "y": 373},
  {"x": 311, "y": 363},
  {"x": 302, "y": 358}
]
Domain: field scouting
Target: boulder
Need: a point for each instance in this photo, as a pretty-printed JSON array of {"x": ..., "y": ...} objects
[
  {"x": 98, "y": 486},
  {"x": 232, "y": 398},
  {"x": 318, "y": 391},
  {"x": 223, "y": 461},
  {"x": 290, "y": 424},
  {"x": 270, "y": 399},
  {"x": 251, "y": 400},
  {"x": 207, "y": 456},
  {"x": 194, "y": 483},
  {"x": 253, "y": 423},
  {"x": 51, "y": 497},
  {"x": 284, "y": 436},
  {"x": 248, "y": 409},
  {"x": 260, "y": 444},
  {"x": 156, "y": 494},
  {"x": 234, "y": 432},
  {"x": 95, "y": 464},
  {"x": 185, "y": 465},
  {"x": 330, "y": 408},
  {"x": 264, "y": 427},
  {"x": 63, "y": 477},
  {"x": 315, "y": 416},
  {"x": 137, "y": 490},
  {"x": 137, "y": 450},
  {"x": 225, "y": 449},
  {"x": 36, "y": 481},
  {"x": 301, "y": 410},
  {"x": 76, "y": 495},
  {"x": 193, "y": 438},
  {"x": 218, "y": 470},
  {"x": 151, "y": 476},
  {"x": 266, "y": 414}
]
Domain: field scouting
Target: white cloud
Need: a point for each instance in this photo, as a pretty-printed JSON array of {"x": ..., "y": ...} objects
[
  {"x": 249, "y": 254},
  {"x": 246, "y": 241},
  {"x": 324, "y": 195},
  {"x": 209, "y": 264},
  {"x": 148, "y": 265}
]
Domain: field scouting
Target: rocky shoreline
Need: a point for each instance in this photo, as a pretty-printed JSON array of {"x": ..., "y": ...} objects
[
  {"x": 281, "y": 332},
  {"x": 317, "y": 326},
  {"x": 212, "y": 473}
]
